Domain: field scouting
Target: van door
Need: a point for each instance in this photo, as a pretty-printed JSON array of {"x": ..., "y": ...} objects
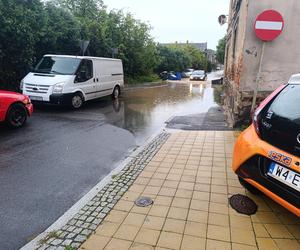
[
  {"x": 104, "y": 79},
  {"x": 85, "y": 79}
]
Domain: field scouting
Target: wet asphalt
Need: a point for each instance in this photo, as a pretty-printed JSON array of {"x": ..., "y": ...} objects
[{"x": 61, "y": 154}]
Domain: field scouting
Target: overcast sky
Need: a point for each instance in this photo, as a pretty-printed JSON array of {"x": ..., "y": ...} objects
[{"x": 178, "y": 20}]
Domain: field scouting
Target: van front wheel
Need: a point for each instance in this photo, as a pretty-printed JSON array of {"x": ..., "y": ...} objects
[
  {"x": 77, "y": 101},
  {"x": 116, "y": 92}
]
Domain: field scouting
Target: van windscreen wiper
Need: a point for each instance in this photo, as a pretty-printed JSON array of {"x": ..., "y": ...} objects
[{"x": 56, "y": 72}]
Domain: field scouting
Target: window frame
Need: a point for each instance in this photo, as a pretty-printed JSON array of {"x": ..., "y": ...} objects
[{"x": 77, "y": 78}]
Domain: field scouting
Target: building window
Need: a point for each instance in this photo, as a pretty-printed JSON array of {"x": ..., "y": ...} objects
[
  {"x": 235, "y": 37},
  {"x": 227, "y": 55},
  {"x": 238, "y": 6},
  {"x": 236, "y": 10}
]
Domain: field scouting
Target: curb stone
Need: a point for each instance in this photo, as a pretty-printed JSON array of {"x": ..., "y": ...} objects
[{"x": 85, "y": 222}]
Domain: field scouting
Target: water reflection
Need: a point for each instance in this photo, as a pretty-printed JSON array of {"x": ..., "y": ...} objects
[{"x": 144, "y": 111}]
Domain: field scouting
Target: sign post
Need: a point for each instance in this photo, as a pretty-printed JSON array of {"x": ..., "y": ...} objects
[
  {"x": 84, "y": 45},
  {"x": 268, "y": 26}
]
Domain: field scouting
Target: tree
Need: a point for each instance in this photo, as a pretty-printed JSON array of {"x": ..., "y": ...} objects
[
  {"x": 172, "y": 58},
  {"x": 81, "y": 8},
  {"x": 61, "y": 34},
  {"x": 22, "y": 24},
  {"x": 137, "y": 49},
  {"x": 114, "y": 29},
  {"x": 180, "y": 57},
  {"x": 30, "y": 29},
  {"x": 198, "y": 59},
  {"x": 221, "y": 50}
]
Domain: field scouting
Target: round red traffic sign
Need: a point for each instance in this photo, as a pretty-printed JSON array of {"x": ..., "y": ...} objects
[{"x": 268, "y": 25}]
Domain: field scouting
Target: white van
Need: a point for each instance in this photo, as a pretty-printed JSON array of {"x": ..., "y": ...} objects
[{"x": 71, "y": 80}]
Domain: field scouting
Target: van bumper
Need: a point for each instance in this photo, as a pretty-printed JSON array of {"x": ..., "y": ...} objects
[{"x": 61, "y": 99}]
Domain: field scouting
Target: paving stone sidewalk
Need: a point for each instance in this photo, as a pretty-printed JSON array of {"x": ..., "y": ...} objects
[{"x": 190, "y": 180}]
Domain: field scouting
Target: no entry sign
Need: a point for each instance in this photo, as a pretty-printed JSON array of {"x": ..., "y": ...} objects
[{"x": 268, "y": 25}]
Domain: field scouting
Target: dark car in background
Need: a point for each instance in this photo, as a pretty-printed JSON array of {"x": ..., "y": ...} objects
[{"x": 170, "y": 75}]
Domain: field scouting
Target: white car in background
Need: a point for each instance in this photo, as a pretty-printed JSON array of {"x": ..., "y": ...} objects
[
  {"x": 199, "y": 75},
  {"x": 187, "y": 73}
]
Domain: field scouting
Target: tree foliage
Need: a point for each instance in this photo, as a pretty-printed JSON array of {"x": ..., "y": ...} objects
[
  {"x": 81, "y": 8},
  {"x": 181, "y": 57},
  {"x": 32, "y": 28},
  {"x": 172, "y": 59},
  {"x": 20, "y": 31},
  {"x": 221, "y": 50},
  {"x": 198, "y": 59}
]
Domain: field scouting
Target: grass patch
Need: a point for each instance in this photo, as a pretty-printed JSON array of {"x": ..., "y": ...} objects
[
  {"x": 114, "y": 176},
  {"x": 218, "y": 93},
  {"x": 142, "y": 79},
  {"x": 69, "y": 248},
  {"x": 51, "y": 235}
]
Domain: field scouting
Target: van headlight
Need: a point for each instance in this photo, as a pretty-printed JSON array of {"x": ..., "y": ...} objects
[{"x": 58, "y": 88}]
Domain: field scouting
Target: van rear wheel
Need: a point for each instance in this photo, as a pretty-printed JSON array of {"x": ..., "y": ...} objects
[
  {"x": 77, "y": 101},
  {"x": 116, "y": 92}
]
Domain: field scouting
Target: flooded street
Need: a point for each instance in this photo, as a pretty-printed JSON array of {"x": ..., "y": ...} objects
[{"x": 145, "y": 111}]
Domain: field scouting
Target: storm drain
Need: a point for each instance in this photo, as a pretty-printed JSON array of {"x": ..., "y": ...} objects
[
  {"x": 143, "y": 202},
  {"x": 243, "y": 204}
]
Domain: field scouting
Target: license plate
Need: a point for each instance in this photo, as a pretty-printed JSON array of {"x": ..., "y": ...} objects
[
  {"x": 285, "y": 175},
  {"x": 36, "y": 98}
]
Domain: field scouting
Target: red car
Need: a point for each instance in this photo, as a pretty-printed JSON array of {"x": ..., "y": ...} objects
[{"x": 14, "y": 108}]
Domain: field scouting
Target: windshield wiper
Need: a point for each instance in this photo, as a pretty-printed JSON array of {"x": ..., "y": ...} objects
[
  {"x": 56, "y": 72},
  {"x": 42, "y": 71}
]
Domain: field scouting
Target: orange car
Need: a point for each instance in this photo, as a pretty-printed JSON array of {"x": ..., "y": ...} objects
[{"x": 267, "y": 154}]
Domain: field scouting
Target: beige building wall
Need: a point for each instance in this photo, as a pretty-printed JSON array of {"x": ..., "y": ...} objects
[
  {"x": 281, "y": 58},
  {"x": 234, "y": 60}
]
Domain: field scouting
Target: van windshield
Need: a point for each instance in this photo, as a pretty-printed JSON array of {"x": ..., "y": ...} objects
[{"x": 57, "y": 65}]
